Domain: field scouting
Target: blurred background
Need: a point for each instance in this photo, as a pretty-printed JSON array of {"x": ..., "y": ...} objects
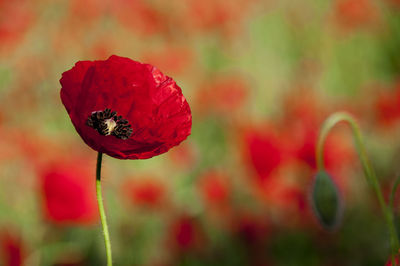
[{"x": 260, "y": 77}]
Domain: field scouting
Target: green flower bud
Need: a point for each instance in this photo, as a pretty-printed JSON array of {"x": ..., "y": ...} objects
[{"x": 326, "y": 201}]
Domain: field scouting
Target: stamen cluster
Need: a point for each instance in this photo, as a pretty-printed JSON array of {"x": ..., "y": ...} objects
[{"x": 107, "y": 122}]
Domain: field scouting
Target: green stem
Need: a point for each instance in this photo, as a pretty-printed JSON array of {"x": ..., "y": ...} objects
[
  {"x": 101, "y": 209},
  {"x": 329, "y": 123},
  {"x": 391, "y": 204},
  {"x": 393, "y": 193}
]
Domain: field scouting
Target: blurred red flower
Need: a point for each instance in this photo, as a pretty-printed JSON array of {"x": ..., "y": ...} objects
[
  {"x": 147, "y": 192},
  {"x": 387, "y": 107},
  {"x": 184, "y": 156},
  {"x": 389, "y": 261},
  {"x": 172, "y": 59},
  {"x": 185, "y": 234},
  {"x": 87, "y": 10},
  {"x": 215, "y": 188},
  {"x": 225, "y": 16},
  {"x": 395, "y": 3},
  {"x": 125, "y": 109},
  {"x": 140, "y": 16},
  {"x": 222, "y": 95},
  {"x": 102, "y": 47},
  {"x": 264, "y": 151},
  {"x": 276, "y": 169},
  {"x": 288, "y": 195},
  {"x": 355, "y": 13},
  {"x": 15, "y": 19},
  {"x": 11, "y": 249},
  {"x": 68, "y": 193}
]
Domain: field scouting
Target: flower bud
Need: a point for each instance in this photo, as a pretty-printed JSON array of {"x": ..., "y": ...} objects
[{"x": 326, "y": 201}]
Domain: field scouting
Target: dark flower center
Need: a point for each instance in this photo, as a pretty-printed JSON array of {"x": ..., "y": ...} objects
[{"x": 107, "y": 122}]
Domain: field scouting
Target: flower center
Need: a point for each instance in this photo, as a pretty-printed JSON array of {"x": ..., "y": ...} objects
[{"x": 107, "y": 122}]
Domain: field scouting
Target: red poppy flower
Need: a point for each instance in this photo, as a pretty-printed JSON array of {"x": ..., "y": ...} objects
[
  {"x": 355, "y": 13},
  {"x": 396, "y": 261},
  {"x": 387, "y": 107},
  {"x": 184, "y": 156},
  {"x": 283, "y": 193},
  {"x": 68, "y": 193},
  {"x": 15, "y": 19},
  {"x": 147, "y": 192},
  {"x": 140, "y": 16},
  {"x": 11, "y": 249},
  {"x": 124, "y": 108},
  {"x": 264, "y": 151},
  {"x": 186, "y": 234},
  {"x": 225, "y": 16},
  {"x": 223, "y": 95},
  {"x": 215, "y": 188},
  {"x": 172, "y": 59},
  {"x": 87, "y": 10}
]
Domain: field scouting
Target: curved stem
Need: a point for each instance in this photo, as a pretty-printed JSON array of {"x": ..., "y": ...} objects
[
  {"x": 101, "y": 209},
  {"x": 329, "y": 123}
]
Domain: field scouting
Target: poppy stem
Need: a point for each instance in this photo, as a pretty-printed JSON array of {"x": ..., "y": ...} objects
[
  {"x": 369, "y": 172},
  {"x": 101, "y": 209}
]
